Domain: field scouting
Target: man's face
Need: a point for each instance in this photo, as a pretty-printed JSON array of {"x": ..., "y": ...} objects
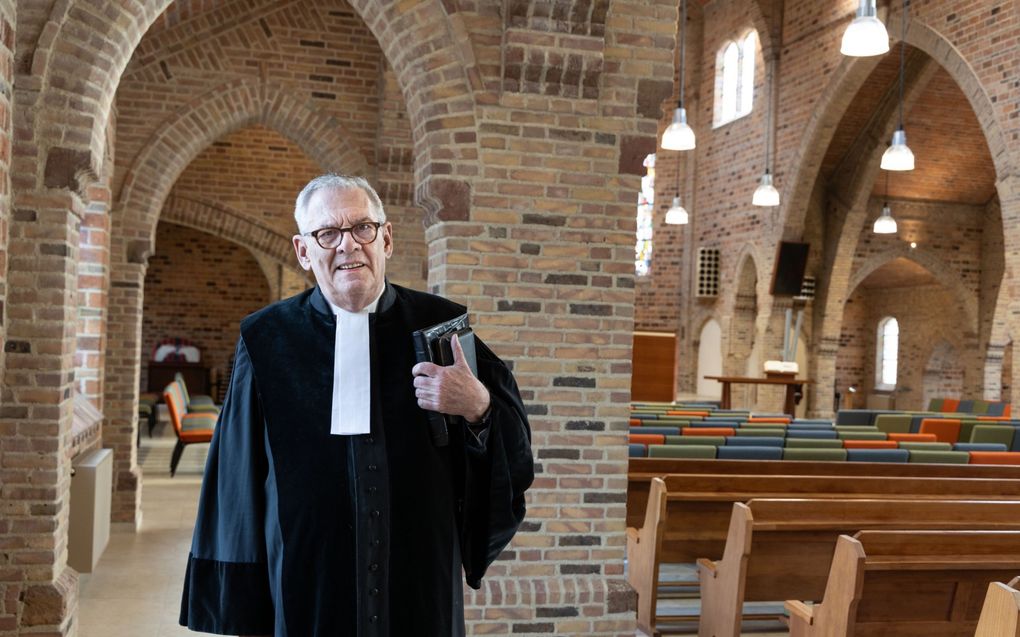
[{"x": 351, "y": 275}]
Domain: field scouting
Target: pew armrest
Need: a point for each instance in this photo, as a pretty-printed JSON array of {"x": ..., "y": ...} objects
[
  {"x": 633, "y": 535},
  {"x": 707, "y": 567},
  {"x": 799, "y": 611}
]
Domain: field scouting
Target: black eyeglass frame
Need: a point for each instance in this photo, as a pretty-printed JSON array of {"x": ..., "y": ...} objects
[{"x": 315, "y": 234}]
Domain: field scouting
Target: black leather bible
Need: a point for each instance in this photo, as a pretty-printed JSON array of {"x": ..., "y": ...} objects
[{"x": 433, "y": 345}]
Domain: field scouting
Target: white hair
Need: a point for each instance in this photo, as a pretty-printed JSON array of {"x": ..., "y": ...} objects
[{"x": 333, "y": 181}]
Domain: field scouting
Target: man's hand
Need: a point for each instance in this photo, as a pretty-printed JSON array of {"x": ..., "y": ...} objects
[{"x": 452, "y": 389}]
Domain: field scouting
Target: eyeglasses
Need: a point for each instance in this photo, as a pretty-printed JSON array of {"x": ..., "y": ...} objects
[{"x": 330, "y": 238}]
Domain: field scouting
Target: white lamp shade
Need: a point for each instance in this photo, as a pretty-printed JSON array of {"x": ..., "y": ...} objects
[
  {"x": 885, "y": 224},
  {"x": 678, "y": 135},
  {"x": 898, "y": 156},
  {"x": 676, "y": 215},
  {"x": 765, "y": 194},
  {"x": 866, "y": 35}
]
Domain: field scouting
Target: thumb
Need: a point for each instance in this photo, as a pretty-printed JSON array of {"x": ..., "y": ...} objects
[{"x": 458, "y": 352}]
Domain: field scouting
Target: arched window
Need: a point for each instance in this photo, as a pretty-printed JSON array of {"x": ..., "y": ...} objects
[
  {"x": 645, "y": 208},
  {"x": 734, "y": 79},
  {"x": 887, "y": 353}
]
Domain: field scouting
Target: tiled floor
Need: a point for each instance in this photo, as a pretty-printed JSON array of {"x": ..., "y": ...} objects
[{"x": 135, "y": 589}]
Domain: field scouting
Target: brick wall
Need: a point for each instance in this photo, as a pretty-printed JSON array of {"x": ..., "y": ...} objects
[{"x": 199, "y": 287}]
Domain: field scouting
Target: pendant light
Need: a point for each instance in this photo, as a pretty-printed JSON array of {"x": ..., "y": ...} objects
[
  {"x": 766, "y": 194},
  {"x": 898, "y": 156},
  {"x": 679, "y": 135},
  {"x": 866, "y": 36},
  {"x": 677, "y": 214},
  {"x": 885, "y": 224}
]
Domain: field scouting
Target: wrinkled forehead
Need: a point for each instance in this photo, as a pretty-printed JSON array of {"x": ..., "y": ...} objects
[{"x": 336, "y": 207}]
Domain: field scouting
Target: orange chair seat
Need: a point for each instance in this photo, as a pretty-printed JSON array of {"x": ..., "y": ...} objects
[
  {"x": 773, "y": 419},
  {"x": 684, "y": 412},
  {"x": 648, "y": 439},
  {"x": 993, "y": 418},
  {"x": 945, "y": 429},
  {"x": 635, "y": 422},
  {"x": 870, "y": 444},
  {"x": 995, "y": 457},
  {"x": 708, "y": 431},
  {"x": 913, "y": 437},
  {"x": 950, "y": 405},
  {"x": 196, "y": 435}
]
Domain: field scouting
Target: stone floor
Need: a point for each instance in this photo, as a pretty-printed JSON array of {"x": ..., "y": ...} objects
[{"x": 135, "y": 590}]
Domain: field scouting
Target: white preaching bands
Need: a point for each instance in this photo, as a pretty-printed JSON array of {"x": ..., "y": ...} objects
[{"x": 352, "y": 372}]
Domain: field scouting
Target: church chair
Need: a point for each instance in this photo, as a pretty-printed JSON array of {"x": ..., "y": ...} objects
[
  {"x": 979, "y": 446},
  {"x": 898, "y": 437},
  {"x": 939, "y": 457},
  {"x": 714, "y": 423},
  {"x": 761, "y": 432},
  {"x": 817, "y": 434},
  {"x": 945, "y": 429},
  {"x": 877, "y": 455},
  {"x": 935, "y": 404},
  {"x": 814, "y": 443},
  {"x": 1000, "y": 613},
  {"x": 950, "y": 406},
  {"x": 199, "y": 403},
  {"x": 648, "y": 439},
  {"x": 995, "y": 457},
  {"x": 870, "y": 444},
  {"x": 681, "y": 451},
  {"x": 925, "y": 446},
  {"x": 861, "y": 435},
  {"x": 189, "y": 427},
  {"x": 729, "y": 452},
  {"x": 636, "y": 450},
  {"x": 893, "y": 423},
  {"x": 712, "y": 441},
  {"x": 1003, "y": 434},
  {"x": 708, "y": 431},
  {"x": 754, "y": 441},
  {"x": 814, "y": 453},
  {"x": 666, "y": 431}
]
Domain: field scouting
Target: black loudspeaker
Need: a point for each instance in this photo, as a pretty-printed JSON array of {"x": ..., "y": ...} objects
[{"x": 791, "y": 261}]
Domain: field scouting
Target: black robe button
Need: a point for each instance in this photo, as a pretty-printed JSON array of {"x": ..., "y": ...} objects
[
  {"x": 375, "y": 513},
  {"x": 373, "y": 567},
  {"x": 372, "y": 467},
  {"x": 373, "y": 618},
  {"x": 376, "y": 542},
  {"x": 369, "y": 440},
  {"x": 372, "y": 489},
  {"x": 374, "y": 591}
]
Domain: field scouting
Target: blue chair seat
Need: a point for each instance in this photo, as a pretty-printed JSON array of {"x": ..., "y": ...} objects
[
  {"x": 979, "y": 446},
  {"x": 637, "y": 450},
  {"x": 877, "y": 455}
]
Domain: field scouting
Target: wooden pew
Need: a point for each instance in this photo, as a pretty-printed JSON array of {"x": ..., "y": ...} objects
[
  {"x": 1000, "y": 614},
  {"x": 782, "y": 549},
  {"x": 688, "y": 516},
  {"x": 644, "y": 545},
  {"x": 906, "y": 583},
  {"x": 699, "y": 506}
]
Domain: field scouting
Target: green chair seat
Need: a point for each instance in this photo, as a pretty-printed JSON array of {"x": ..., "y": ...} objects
[
  {"x": 760, "y": 432},
  {"x": 893, "y": 423},
  {"x": 681, "y": 451},
  {"x": 926, "y": 446},
  {"x": 1002, "y": 434},
  {"x": 940, "y": 457},
  {"x": 813, "y": 443},
  {"x": 860, "y": 435}
]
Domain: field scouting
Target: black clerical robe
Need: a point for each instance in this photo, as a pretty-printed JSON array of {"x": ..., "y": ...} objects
[{"x": 301, "y": 533}]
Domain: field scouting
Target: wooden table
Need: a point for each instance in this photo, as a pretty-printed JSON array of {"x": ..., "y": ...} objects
[{"x": 789, "y": 405}]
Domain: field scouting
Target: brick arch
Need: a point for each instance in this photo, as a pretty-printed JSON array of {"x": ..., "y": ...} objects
[
  {"x": 227, "y": 108},
  {"x": 75, "y": 108},
  {"x": 942, "y": 271},
  {"x": 418, "y": 40},
  {"x": 226, "y": 223},
  {"x": 848, "y": 78}
]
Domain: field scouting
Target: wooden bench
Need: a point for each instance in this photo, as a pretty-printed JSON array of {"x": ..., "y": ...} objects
[
  {"x": 646, "y": 468},
  {"x": 782, "y": 548},
  {"x": 907, "y": 583},
  {"x": 1000, "y": 614},
  {"x": 698, "y": 507},
  {"x": 688, "y": 516}
]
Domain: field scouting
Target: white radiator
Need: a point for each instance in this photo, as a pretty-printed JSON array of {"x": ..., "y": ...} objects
[{"x": 91, "y": 491}]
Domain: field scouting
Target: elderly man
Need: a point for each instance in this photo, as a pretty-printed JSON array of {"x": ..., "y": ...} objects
[{"x": 327, "y": 510}]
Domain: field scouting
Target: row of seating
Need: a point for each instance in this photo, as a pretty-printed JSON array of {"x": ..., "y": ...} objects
[
  {"x": 767, "y": 537},
  {"x": 850, "y": 454},
  {"x": 977, "y": 407}
]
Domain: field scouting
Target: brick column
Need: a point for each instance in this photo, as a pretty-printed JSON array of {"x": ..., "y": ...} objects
[
  {"x": 39, "y": 590},
  {"x": 123, "y": 361},
  {"x": 823, "y": 371}
]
